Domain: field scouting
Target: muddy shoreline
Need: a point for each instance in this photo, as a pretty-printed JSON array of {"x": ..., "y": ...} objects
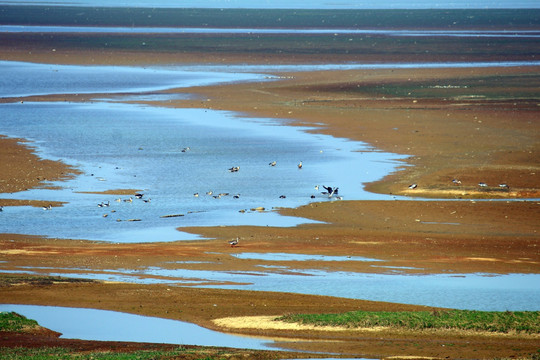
[{"x": 447, "y": 136}]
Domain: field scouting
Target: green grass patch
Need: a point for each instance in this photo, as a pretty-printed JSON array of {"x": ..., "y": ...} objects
[
  {"x": 8, "y": 280},
  {"x": 11, "y": 321},
  {"x": 181, "y": 352},
  {"x": 492, "y": 321},
  {"x": 63, "y": 353}
]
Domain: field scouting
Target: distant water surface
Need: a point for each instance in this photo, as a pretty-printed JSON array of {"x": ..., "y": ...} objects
[
  {"x": 181, "y": 30},
  {"x": 293, "y": 4}
]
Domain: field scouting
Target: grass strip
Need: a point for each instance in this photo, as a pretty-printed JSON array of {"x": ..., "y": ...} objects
[
  {"x": 48, "y": 353},
  {"x": 491, "y": 321},
  {"x": 11, "y": 321}
]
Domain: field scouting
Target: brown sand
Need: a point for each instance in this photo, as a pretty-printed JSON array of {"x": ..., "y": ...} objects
[{"x": 473, "y": 140}]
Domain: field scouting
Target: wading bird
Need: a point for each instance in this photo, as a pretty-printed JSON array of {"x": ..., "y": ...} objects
[{"x": 234, "y": 242}]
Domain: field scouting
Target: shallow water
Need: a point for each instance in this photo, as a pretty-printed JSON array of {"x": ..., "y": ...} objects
[
  {"x": 29, "y": 79},
  {"x": 103, "y": 325},
  {"x": 294, "y": 4},
  {"x": 298, "y": 257},
  {"x": 122, "y": 146},
  {"x": 126, "y": 146},
  {"x": 187, "y": 30},
  {"x": 489, "y": 292}
]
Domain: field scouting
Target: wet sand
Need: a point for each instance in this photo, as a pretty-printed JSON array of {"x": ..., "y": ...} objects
[{"x": 492, "y": 140}]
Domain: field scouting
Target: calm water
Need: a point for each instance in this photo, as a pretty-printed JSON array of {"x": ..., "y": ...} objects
[
  {"x": 169, "y": 30},
  {"x": 489, "y": 292},
  {"x": 123, "y": 146},
  {"x": 92, "y": 324},
  {"x": 294, "y": 4}
]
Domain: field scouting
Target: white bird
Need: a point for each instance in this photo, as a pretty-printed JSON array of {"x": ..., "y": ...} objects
[
  {"x": 482, "y": 184},
  {"x": 234, "y": 242}
]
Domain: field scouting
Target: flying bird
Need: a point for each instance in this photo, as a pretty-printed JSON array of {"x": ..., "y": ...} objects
[{"x": 330, "y": 190}]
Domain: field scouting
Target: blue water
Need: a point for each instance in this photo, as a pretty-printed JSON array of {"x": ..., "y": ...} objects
[
  {"x": 489, "y": 292},
  {"x": 126, "y": 146},
  {"x": 179, "y": 30},
  {"x": 102, "y": 325},
  {"x": 292, "y": 4},
  {"x": 27, "y": 79}
]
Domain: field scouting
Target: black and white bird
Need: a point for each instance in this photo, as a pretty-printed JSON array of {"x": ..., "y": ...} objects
[
  {"x": 413, "y": 186},
  {"x": 482, "y": 184},
  {"x": 234, "y": 242},
  {"x": 234, "y": 169},
  {"x": 331, "y": 191},
  {"x": 273, "y": 163}
]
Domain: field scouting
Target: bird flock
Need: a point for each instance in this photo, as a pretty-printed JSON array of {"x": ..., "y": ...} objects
[{"x": 457, "y": 182}]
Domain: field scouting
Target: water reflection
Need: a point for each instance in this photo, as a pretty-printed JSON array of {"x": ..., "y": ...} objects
[{"x": 103, "y": 325}]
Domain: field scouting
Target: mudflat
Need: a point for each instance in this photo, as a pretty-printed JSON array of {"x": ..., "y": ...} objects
[{"x": 459, "y": 127}]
